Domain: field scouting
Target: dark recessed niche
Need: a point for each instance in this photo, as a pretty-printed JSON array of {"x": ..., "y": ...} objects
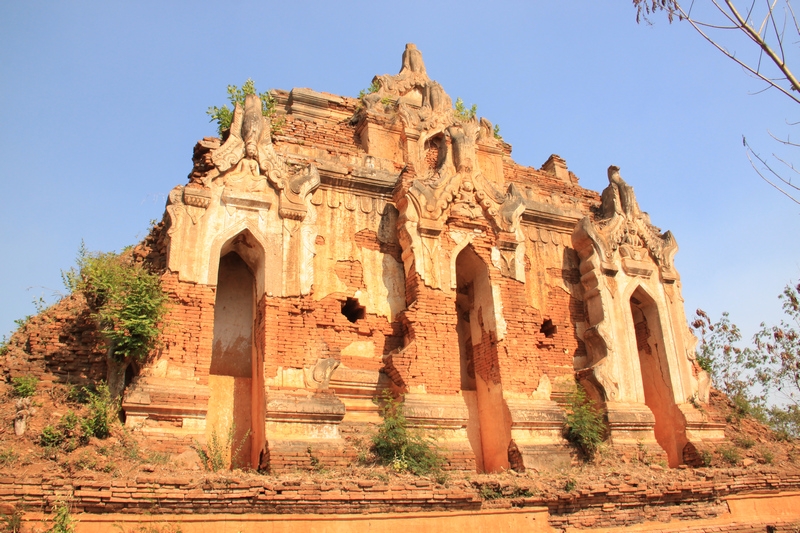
[
  {"x": 353, "y": 310},
  {"x": 548, "y": 328}
]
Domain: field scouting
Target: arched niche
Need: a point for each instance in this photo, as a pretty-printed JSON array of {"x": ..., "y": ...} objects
[
  {"x": 236, "y": 366},
  {"x": 488, "y": 429},
  {"x": 248, "y": 245},
  {"x": 670, "y": 426}
]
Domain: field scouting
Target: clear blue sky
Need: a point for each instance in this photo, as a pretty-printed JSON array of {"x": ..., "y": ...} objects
[{"x": 103, "y": 102}]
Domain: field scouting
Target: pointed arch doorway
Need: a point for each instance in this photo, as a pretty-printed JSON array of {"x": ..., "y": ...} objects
[
  {"x": 235, "y": 410},
  {"x": 670, "y": 426},
  {"x": 488, "y": 431}
]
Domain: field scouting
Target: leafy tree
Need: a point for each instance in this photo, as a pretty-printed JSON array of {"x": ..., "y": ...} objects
[
  {"x": 776, "y": 358},
  {"x": 719, "y": 353},
  {"x": 757, "y": 37},
  {"x": 766, "y": 372},
  {"x": 126, "y": 298}
]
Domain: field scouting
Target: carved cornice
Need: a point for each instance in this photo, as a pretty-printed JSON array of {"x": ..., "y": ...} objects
[
  {"x": 549, "y": 216},
  {"x": 196, "y": 197},
  {"x": 363, "y": 181},
  {"x": 312, "y": 104},
  {"x": 255, "y": 201}
]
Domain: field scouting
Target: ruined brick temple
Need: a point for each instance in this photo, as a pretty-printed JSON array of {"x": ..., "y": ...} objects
[{"x": 390, "y": 243}]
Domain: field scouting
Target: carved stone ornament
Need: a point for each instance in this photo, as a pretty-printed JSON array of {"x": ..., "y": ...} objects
[
  {"x": 455, "y": 188},
  {"x": 624, "y": 235},
  {"x": 319, "y": 377},
  {"x": 25, "y": 409},
  {"x": 246, "y": 162}
]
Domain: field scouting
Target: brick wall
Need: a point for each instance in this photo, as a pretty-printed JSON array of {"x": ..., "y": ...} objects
[
  {"x": 61, "y": 344},
  {"x": 614, "y": 503},
  {"x": 216, "y": 494},
  {"x": 189, "y": 325},
  {"x": 520, "y": 358},
  {"x": 300, "y": 330}
]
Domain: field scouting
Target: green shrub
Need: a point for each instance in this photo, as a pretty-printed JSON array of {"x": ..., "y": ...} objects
[
  {"x": 490, "y": 492},
  {"x": 102, "y": 411},
  {"x": 729, "y": 454},
  {"x": 77, "y": 394},
  {"x": 397, "y": 446},
  {"x": 373, "y": 88},
  {"x": 126, "y": 300},
  {"x": 746, "y": 406},
  {"x": 69, "y": 421},
  {"x": 73, "y": 431},
  {"x": 767, "y": 456},
  {"x": 70, "y": 427},
  {"x": 707, "y": 458},
  {"x": 585, "y": 425},
  {"x": 24, "y": 386},
  {"x": 51, "y": 437},
  {"x": 496, "y": 133}
]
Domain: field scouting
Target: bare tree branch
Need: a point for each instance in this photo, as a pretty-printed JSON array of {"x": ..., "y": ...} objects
[
  {"x": 750, "y": 152},
  {"x": 741, "y": 63},
  {"x": 791, "y": 167},
  {"x": 794, "y": 19},
  {"x": 738, "y": 23},
  {"x": 765, "y": 47},
  {"x": 768, "y": 37},
  {"x": 787, "y": 142}
]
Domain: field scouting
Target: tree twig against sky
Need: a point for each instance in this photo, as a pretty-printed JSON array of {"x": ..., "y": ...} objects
[{"x": 761, "y": 36}]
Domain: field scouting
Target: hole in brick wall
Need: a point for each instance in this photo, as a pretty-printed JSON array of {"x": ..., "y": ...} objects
[
  {"x": 353, "y": 310},
  {"x": 131, "y": 371},
  {"x": 548, "y": 328}
]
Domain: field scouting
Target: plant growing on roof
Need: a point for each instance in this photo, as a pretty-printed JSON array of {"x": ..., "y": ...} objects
[
  {"x": 224, "y": 115},
  {"x": 464, "y": 113},
  {"x": 373, "y": 88},
  {"x": 496, "y": 133}
]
